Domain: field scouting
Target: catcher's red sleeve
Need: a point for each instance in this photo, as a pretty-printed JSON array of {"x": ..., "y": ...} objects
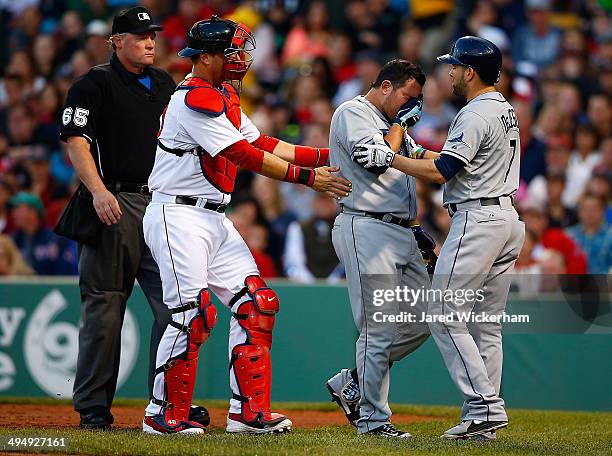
[
  {"x": 244, "y": 155},
  {"x": 311, "y": 156},
  {"x": 265, "y": 142}
]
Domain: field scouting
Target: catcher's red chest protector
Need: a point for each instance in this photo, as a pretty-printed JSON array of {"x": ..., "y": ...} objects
[{"x": 214, "y": 101}]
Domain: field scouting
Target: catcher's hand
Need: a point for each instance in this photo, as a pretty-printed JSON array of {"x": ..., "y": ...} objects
[
  {"x": 374, "y": 156},
  {"x": 410, "y": 112},
  {"x": 334, "y": 185},
  {"x": 426, "y": 245}
]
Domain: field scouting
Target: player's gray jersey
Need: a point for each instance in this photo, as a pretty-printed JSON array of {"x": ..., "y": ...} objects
[
  {"x": 357, "y": 121},
  {"x": 485, "y": 136}
]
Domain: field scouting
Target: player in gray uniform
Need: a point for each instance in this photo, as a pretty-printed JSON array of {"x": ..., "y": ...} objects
[
  {"x": 479, "y": 165},
  {"x": 374, "y": 242}
]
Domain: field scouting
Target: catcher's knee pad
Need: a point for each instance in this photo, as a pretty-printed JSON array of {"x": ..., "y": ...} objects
[
  {"x": 180, "y": 372},
  {"x": 251, "y": 360},
  {"x": 256, "y": 315}
]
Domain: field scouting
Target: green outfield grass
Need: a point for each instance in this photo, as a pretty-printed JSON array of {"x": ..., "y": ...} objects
[{"x": 530, "y": 433}]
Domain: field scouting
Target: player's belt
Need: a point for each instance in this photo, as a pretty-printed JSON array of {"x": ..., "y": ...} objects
[
  {"x": 189, "y": 201},
  {"x": 383, "y": 216},
  {"x": 504, "y": 202}
]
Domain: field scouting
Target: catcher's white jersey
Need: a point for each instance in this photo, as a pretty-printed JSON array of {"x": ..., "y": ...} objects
[
  {"x": 485, "y": 136},
  {"x": 184, "y": 128}
]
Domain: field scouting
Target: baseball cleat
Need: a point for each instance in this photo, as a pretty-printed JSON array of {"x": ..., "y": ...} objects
[
  {"x": 199, "y": 415},
  {"x": 388, "y": 430},
  {"x": 268, "y": 423},
  {"x": 157, "y": 425},
  {"x": 344, "y": 391},
  {"x": 472, "y": 428},
  {"x": 488, "y": 437}
]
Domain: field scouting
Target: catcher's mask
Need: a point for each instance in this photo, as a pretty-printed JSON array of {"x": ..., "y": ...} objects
[{"x": 234, "y": 40}]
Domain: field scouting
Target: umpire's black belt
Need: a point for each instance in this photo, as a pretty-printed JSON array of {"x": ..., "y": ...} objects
[
  {"x": 503, "y": 201},
  {"x": 383, "y": 216},
  {"x": 127, "y": 187},
  {"x": 189, "y": 201}
]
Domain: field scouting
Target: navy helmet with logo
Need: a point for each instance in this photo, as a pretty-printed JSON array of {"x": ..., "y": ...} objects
[
  {"x": 480, "y": 54},
  {"x": 234, "y": 40}
]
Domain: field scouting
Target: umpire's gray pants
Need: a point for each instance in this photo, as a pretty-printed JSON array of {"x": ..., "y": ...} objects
[
  {"x": 106, "y": 281},
  {"x": 378, "y": 256},
  {"x": 479, "y": 253}
]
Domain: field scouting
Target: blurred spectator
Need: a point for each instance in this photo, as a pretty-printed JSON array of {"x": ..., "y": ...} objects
[
  {"x": 257, "y": 241},
  {"x": 11, "y": 261},
  {"x": 557, "y": 160},
  {"x": 96, "y": 41},
  {"x": 537, "y": 221},
  {"x": 45, "y": 55},
  {"x": 599, "y": 112},
  {"x": 70, "y": 30},
  {"x": 268, "y": 195},
  {"x": 177, "y": 25},
  {"x": 594, "y": 234},
  {"x": 45, "y": 252},
  {"x": 6, "y": 191},
  {"x": 582, "y": 162},
  {"x": 309, "y": 253},
  {"x": 533, "y": 150},
  {"x": 308, "y": 39},
  {"x": 538, "y": 41},
  {"x": 559, "y": 215},
  {"x": 600, "y": 185},
  {"x": 368, "y": 66}
]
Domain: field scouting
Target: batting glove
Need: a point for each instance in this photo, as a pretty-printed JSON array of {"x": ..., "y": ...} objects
[
  {"x": 410, "y": 112},
  {"x": 373, "y": 155}
]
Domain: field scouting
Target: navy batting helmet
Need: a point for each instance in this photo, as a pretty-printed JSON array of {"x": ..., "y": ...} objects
[{"x": 480, "y": 54}]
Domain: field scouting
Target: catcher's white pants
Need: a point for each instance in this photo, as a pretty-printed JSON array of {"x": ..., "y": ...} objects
[{"x": 195, "y": 248}]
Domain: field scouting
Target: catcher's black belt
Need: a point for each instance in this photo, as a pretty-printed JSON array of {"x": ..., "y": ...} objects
[
  {"x": 127, "y": 187},
  {"x": 190, "y": 201}
]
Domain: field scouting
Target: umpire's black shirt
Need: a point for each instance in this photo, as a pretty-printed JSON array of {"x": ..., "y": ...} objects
[{"x": 119, "y": 117}]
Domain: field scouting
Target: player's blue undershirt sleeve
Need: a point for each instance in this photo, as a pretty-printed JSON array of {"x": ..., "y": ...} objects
[{"x": 448, "y": 165}]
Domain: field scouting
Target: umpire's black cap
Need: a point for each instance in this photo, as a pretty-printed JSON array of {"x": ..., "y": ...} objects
[
  {"x": 134, "y": 20},
  {"x": 478, "y": 53}
]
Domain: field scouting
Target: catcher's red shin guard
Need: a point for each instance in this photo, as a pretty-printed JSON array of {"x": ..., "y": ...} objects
[
  {"x": 180, "y": 372},
  {"x": 251, "y": 361}
]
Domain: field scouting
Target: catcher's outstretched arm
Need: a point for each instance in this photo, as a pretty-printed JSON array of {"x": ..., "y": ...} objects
[{"x": 296, "y": 154}]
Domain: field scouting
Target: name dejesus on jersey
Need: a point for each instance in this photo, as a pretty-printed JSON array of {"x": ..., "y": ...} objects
[{"x": 509, "y": 121}]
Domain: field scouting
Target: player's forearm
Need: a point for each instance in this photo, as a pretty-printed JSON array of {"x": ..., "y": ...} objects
[
  {"x": 276, "y": 168},
  {"x": 83, "y": 163},
  {"x": 395, "y": 137},
  {"x": 421, "y": 169},
  {"x": 311, "y": 157}
]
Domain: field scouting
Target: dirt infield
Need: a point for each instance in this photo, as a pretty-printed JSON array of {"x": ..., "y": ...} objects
[{"x": 62, "y": 416}]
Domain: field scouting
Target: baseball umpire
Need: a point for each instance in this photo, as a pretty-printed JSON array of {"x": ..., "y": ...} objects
[
  {"x": 372, "y": 237},
  {"x": 110, "y": 121},
  {"x": 204, "y": 138},
  {"x": 479, "y": 164}
]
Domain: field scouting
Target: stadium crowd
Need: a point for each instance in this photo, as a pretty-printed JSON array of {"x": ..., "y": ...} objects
[{"x": 311, "y": 56}]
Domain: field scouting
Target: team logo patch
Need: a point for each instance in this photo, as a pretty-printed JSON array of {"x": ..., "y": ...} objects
[
  {"x": 457, "y": 138},
  {"x": 350, "y": 392},
  {"x": 144, "y": 17}
]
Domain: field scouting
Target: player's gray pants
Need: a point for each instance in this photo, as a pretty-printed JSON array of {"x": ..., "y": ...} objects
[
  {"x": 379, "y": 255},
  {"x": 479, "y": 253}
]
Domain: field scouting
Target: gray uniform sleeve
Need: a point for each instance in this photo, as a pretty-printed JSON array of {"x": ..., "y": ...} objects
[
  {"x": 358, "y": 126},
  {"x": 465, "y": 136}
]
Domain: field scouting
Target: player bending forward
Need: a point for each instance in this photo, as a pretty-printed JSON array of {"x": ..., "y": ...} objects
[
  {"x": 479, "y": 166},
  {"x": 204, "y": 137}
]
